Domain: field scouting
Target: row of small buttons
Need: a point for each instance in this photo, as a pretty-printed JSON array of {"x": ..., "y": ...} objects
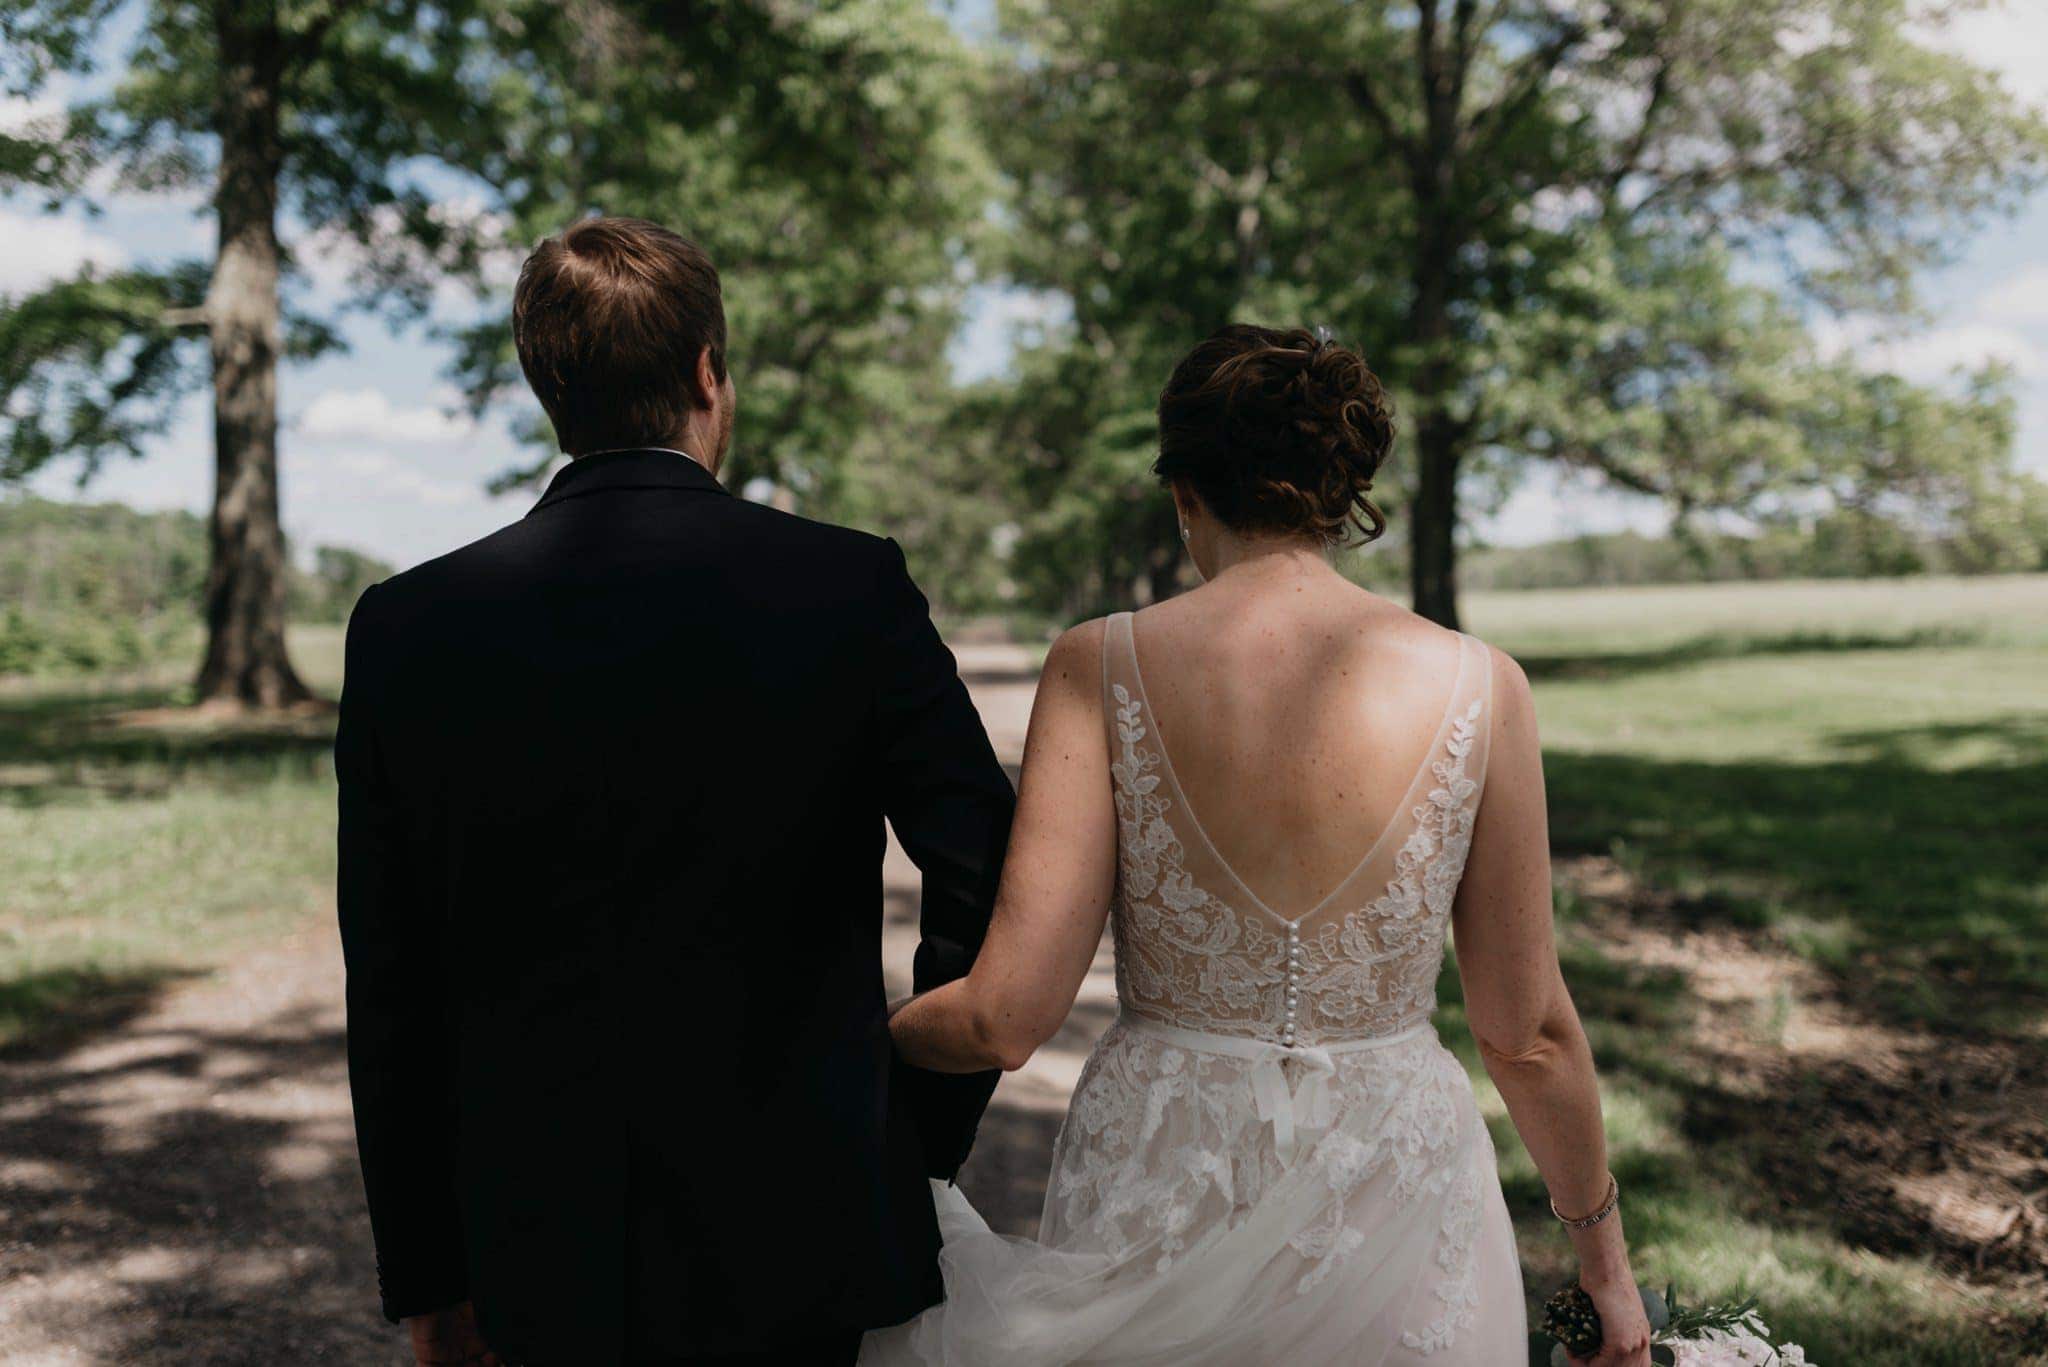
[{"x": 1293, "y": 983}]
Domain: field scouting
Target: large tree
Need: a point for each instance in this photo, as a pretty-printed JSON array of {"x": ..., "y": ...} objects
[
  {"x": 314, "y": 114},
  {"x": 1588, "y": 232},
  {"x": 816, "y": 147}
]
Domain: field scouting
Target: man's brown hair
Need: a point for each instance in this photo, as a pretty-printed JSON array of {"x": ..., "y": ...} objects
[{"x": 609, "y": 319}]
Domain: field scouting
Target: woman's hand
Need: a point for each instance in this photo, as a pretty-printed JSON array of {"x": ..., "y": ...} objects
[{"x": 1624, "y": 1328}]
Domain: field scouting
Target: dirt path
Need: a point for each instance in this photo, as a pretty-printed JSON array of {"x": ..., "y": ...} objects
[{"x": 178, "y": 1183}]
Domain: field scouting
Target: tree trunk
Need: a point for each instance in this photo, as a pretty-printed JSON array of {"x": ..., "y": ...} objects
[
  {"x": 1432, "y": 533},
  {"x": 1441, "y": 232},
  {"x": 246, "y": 662},
  {"x": 1439, "y": 442}
]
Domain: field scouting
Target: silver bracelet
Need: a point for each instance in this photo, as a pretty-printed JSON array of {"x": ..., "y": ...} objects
[{"x": 1607, "y": 1208}]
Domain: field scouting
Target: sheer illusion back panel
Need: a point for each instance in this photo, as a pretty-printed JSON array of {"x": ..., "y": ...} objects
[{"x": 1197, "y": 947}]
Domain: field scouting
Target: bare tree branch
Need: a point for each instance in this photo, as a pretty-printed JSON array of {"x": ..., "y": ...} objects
[
  {"x": 1527, "y": 78},
  {"x": 1359, "y": 87},
  {"x": 1461, "y": 39},
  {"x": 1631, "y": 159}
]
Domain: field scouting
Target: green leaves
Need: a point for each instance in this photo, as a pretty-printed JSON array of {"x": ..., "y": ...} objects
[
  {"x": 94, "y": 365},
  {"x": 821, "y": 153},
  {"x": 1528, "y": 218}
]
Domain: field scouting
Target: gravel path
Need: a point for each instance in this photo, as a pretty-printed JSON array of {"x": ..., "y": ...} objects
[{"x": 178, "y": 1183}]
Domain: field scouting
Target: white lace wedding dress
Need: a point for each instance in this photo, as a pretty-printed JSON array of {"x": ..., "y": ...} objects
[{"x": 1270, "y": 1157}]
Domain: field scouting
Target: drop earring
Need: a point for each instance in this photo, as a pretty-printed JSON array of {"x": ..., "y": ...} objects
[{"x": 1193, "y": 563}]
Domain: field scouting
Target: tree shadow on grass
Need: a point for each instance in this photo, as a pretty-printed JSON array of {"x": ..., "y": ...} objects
[
  {"x": 1621, "y": 664},
  {"x": 56, "y": 745},
  {"x": 2022, "y": 736},
  {"x": 1921, "y": 892},
  {"x": 48, "y": 1010},
  {"x": 1855, "y": 1156},
  {"x": 1916, "y": 890}
]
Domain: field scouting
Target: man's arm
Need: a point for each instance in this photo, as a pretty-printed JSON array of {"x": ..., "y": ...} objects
[
  {"x": 400, "y": 1038},
  {"x": 950, "y": 804}
]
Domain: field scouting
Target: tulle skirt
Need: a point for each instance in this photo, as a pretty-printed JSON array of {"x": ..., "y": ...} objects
[{"x": 1217, "y": 1201}]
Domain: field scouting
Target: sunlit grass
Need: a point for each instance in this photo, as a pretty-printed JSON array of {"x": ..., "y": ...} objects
[
  {"x": 1859, "y": 774},
  {"x": 129, "y": 853}
]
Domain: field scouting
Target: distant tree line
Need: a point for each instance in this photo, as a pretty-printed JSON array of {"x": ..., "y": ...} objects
[
  {"x": 90, "y": 587},
  {"x": 1844, "y": 545}
]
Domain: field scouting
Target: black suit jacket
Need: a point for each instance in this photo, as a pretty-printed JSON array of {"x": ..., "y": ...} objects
[{"x": 613, "y": 784}]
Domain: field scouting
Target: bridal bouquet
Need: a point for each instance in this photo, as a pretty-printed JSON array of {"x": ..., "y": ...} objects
[{"x": 1682, "y": 1336}]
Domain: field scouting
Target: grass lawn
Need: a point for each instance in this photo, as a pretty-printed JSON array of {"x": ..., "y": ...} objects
[
  {"x": 1802, "y": 849},
  {"x": 1802, "y": 843},
  {"x": 132, "y": 850}
]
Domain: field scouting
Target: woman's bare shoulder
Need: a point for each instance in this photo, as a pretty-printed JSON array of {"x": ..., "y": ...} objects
[{"x": 1074, "y": 660}]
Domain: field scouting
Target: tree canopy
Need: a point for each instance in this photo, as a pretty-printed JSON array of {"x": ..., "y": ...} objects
[
  {"x": 1594, "y": 234},
  {"x": 820, "y": 151},
  {"x": 1588, "y": 233}
]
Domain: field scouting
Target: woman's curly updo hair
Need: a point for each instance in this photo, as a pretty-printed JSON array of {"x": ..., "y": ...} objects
[{"x": 1278, "y": 431}]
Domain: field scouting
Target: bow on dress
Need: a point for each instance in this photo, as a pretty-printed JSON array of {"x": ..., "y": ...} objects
[{"x": 1304, "y": 1106}]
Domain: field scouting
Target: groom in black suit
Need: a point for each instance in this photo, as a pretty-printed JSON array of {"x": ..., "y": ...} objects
[{"x": 613, "y": 784}]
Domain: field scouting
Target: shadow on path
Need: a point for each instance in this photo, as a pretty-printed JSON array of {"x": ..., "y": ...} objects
[{"x": 181, "y": 1187}]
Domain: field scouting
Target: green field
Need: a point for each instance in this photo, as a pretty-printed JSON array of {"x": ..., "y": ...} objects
[
  {"x": 1802, "y": 845},
  {"x": 135, "y": 849}
]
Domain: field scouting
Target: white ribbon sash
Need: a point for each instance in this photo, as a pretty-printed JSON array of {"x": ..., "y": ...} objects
[{"x": 1308, "y": 1104}]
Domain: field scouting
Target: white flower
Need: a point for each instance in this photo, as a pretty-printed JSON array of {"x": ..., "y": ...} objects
[{"x": 1737, "y": 1348}]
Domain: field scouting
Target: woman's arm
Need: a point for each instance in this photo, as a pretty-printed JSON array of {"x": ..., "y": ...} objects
[
  {"x": 1522, "y": 1017},
  {"x": 1055, "y": 888}
]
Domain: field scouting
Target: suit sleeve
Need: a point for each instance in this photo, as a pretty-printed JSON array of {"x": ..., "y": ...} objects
[
  {"x": 400, "y": 1032},
  {"x": 950, "y": 804}
]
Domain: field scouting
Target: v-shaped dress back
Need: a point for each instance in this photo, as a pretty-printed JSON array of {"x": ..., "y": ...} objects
[
  {"x": 1197, "y": 948},
  {"x": 1270, "y": 1156}
]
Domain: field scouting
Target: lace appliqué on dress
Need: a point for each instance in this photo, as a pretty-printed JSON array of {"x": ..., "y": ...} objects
[
  {"x": 1375, "y": 970},
  {"x": 1187, "y": 957},
  {"x": 1182, "y": 954}
]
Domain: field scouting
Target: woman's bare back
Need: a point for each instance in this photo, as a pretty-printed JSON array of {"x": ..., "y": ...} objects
[{"x": 1296, "y": 710}]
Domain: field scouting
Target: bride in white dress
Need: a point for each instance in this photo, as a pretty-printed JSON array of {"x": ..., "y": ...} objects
[{"x": 1282, "y": 792}]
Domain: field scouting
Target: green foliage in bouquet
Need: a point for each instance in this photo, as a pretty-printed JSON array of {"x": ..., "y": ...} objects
[{"x": 1570, "y": 1319}]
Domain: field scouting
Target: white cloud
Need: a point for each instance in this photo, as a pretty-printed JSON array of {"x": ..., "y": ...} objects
[
  {"x": 367, "y": 415},
  {"x": 1939, "y": 352},
  {"x": 38, "y": 248},
  {"x": 2009, "y": 38},
  {"x": 335, "y": 262},
  {"x": 386, "y": 477},
  {"x": 1548, "y": 503},
  {"x": 2021, "y": 299},
  {"x": 18, "y": 114},
  {"x": 1934, "y": 355}
]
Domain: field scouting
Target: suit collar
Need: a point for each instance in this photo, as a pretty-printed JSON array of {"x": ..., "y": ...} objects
[{"x": 634, "y": 468}]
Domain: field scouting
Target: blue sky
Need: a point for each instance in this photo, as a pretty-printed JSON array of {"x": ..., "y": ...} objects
[{"x": 374, "y": 456}]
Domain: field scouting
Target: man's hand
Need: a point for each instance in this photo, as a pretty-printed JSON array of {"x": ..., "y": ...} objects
[{"x": 448, "y": 1337}]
